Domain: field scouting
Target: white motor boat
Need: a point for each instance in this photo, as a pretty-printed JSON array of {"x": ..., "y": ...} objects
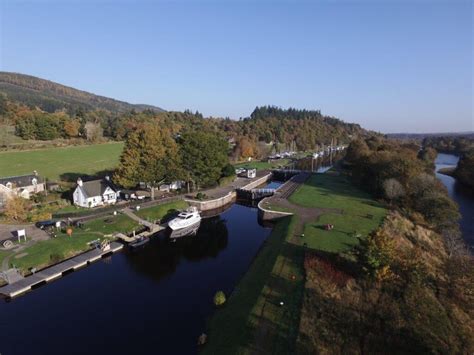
[{"x": 186, "y": 219}]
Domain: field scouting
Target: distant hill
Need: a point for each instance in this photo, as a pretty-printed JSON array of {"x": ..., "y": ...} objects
[
  {"x": 50, "y": 96},
  {"x": 421, "y": 136}
]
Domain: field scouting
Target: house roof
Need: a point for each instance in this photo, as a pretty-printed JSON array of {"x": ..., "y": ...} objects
[
  {"x": 21, "y": 180},
  {"x": 96, "y": 187}
]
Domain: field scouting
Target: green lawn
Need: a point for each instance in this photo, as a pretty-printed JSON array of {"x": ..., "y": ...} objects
[
  {"x": 111, "y": 224},
  {"x": 276, "y": 275},
  {"x": 160, "y": 211},
  {"x": 360, "y": 213},
  {"x": 52, "y": 163},
  {"x": 263, "y": 164},
  {"x": 3, "y": 255},
  {"x": 47, "y": 252}
]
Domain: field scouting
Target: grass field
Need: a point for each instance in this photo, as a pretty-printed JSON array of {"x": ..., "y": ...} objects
[
  {"x": 275, "y": 276},
  {"x": 262, "y": 164},
  {"x": 160, "y": 211},
  {"x": 360, "y": 213},
  {"x": 53, "y": 163},
  {"x": 47, "y": 252},
  {"x": 110, "y": 224}
]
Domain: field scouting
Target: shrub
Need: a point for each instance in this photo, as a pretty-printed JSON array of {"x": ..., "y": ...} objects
[
  {"x": 219, "y": 298},
  {"x": 228, "y": 170},
  {"x": 56, "y": 257},
  {"x": 201, "y": 196}
]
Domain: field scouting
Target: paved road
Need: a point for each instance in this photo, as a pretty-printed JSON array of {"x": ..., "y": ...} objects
[{"x": 7, "y": 231}]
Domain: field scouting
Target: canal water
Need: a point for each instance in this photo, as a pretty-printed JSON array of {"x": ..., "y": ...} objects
[
  {"x": 460, "y": 195},
  {"x": 151, "y": 301}
]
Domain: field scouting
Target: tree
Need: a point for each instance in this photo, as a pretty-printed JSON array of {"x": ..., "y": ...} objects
[
  {"x": 3, "y": 104},
  {"x": 93, "y": 131},
  {"x": 17, "y": 208},
  {"x": 219, "y": 298},
  {"x": 376, "y": 254},
  {"x": 150, "y": 155},
  {"x": 393, "y": 189},
  {"x": 439, "y": 210},
  {"x": 247, "y": 148},
  {"x": 71, "y": 127},
  {"x": 465, "y": 169},
  {"x": 203, "y": 156}
]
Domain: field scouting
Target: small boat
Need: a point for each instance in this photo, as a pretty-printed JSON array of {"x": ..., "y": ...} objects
[
  {"x": 187, "y": 219},
  {"x": 139, "y": 242}
]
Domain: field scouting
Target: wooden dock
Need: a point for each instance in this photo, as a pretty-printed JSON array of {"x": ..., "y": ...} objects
[{"x": 54, "y": 272}]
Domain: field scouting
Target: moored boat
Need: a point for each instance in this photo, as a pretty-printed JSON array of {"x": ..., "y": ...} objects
[
  {"x": 140, "y": 241},
  {"x": 189, "y": 219}
]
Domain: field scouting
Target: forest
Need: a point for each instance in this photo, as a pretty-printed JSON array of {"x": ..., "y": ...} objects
[{"x": 267, "y": 128}]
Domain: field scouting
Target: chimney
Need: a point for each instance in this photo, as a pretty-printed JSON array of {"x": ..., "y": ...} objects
[
  {"x": 79, "y": 181},
  {"x": 107, "y": 177}
]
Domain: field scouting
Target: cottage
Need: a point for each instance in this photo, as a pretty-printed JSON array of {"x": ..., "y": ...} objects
[
  {"x": 173, "y": 186},
  {"x": 95, "y": 193},
  {"x": 22, "y": 185}
]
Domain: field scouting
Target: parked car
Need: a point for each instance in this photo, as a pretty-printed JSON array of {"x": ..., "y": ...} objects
[{"x": 50, "y": 223}]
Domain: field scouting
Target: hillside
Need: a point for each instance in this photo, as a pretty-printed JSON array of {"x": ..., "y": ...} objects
[
  {"x": 421, "y": 136},
  {"x": 50, "y": 96}
]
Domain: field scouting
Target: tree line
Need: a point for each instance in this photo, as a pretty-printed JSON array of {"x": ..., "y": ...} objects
[
  {"x": 153, "y": 154},
  {"x": 267, "y": 128},
  {"x": 459, "y": 145},
  {"x": 404, "y": 176}
]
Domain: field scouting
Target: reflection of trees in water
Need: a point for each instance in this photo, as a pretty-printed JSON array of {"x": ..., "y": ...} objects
[{"x": 161, "y": 256}]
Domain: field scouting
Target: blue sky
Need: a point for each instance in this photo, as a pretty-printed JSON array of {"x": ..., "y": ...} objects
[{"x": 392, "y": 66}]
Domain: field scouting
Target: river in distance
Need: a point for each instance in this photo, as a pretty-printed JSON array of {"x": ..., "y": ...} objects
[{"x": 460, "y": 195}]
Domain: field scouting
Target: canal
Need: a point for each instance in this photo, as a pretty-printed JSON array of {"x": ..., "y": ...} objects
[
  {"x": 153, "y": 300},
  {"x": 459, "y": 194}
]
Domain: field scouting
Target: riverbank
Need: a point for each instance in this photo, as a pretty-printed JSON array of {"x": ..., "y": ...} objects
[
  {"x": 459, "y": 193},
  {"x": 41, "y": 254},
  {"x": 263, "y": 313}
]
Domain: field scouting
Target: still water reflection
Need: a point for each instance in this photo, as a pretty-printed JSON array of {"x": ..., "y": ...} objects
[{"x": 155, "y": 300}]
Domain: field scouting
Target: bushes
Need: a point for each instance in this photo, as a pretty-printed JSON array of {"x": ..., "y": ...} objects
[
  {"x": 400, "y": 174},
  {"x": 219, "y": 298}
]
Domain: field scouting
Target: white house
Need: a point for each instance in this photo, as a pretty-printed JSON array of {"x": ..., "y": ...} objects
[
  {"x": 23, "y": 186},
  {"x": 95, "y": 193}
]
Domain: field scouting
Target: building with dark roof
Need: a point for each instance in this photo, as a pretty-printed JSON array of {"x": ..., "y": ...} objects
[
  {"x": 21, "y": 185},
  {"x": 95, "y": 193}
]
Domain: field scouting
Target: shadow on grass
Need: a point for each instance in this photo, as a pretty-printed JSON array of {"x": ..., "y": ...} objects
[{"x": 72, "y": 177}]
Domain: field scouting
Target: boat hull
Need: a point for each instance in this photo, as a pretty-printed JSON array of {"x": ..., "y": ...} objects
[{"x": 182, "y": 232}]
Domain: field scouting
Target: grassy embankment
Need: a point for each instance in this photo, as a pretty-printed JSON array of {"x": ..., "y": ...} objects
[
  {"x": 253, "y": 318},
  {"x": 62, "y": 163},
  {"x": 355, "y": 212},
  {"x": 47, "y": 252},
  {"x": 275, "y": 276},
  {"x": 263, "y": 164},
  {"x": 359, "y": 212}
]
